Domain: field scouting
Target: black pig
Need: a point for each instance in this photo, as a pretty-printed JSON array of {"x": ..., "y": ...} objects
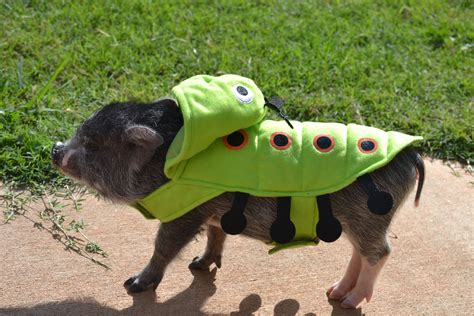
[{"x": 120, "y": 152}]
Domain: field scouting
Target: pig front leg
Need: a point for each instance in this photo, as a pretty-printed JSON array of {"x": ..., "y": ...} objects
[
  {"x": 171, "y": 238},
  {"x": 213, "y": 253}
]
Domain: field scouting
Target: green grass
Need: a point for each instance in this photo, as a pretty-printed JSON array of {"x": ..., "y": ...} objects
[{"x": 406, "y": 65}]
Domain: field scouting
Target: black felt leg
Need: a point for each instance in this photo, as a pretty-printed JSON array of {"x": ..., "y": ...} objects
[
  {"x": 283, "y": 230},
  {"x": 233, "y": 222},
  {"x": 379, "y": 202},
  {"x": 328, "y": 228}
]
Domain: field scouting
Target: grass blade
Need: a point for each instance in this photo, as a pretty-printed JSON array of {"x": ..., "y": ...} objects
[{"x": 42, "y": 93}]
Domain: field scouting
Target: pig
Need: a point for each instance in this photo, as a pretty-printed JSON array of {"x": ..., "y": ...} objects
[{"x": 120, "y": 152}]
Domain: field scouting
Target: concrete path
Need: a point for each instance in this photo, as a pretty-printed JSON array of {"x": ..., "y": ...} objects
[{"x": 431, "y": 269}]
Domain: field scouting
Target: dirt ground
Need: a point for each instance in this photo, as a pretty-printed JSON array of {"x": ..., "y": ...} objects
[{"x": 430, "y": 271}]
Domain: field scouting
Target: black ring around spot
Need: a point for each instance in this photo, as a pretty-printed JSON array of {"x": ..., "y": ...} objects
[
  {"x": 367, "y": 145},
  {"x": 241, "y": 90},
  {"x": 324, "y": 142},
  {"x": 235, "y": 139},
  {"x": 280, "y": 140}
]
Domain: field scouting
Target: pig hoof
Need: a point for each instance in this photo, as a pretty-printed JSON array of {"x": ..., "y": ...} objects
[
  {"x": 203, "y": 263},
  {"x": 338, "y": 290},
  {"x": 135, "y": 288},
  {"x": 355, "y": 297},
  {"x": 129, "y": 281},
  {"x": 133, "y": 285},
  {"x": 199, "y": 263}
]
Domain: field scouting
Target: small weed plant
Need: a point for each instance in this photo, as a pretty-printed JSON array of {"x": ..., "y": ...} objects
[{"x": 47, "y": 207}]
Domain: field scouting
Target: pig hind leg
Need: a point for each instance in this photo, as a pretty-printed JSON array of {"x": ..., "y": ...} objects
[
  {"x": 349, "y": 280},
  {"x": 214, "y": 248},
  {"x": 370, "y": 252},
  {"x": 369, "y": 261},
  {"x": 367, "y": 232}
]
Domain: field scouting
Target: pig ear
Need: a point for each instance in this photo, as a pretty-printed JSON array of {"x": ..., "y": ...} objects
[
  {"x": 166, "y": 102},
  {"x": 144, "y": 137}
]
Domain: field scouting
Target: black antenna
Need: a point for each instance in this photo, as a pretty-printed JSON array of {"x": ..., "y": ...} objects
[{"x": 276, "y": 104}]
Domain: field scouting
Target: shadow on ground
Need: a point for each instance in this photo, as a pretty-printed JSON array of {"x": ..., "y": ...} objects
[{"x": 188, "y": 302}]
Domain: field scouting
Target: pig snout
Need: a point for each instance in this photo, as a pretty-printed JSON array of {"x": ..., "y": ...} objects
[{"x": 57, "y": 153}]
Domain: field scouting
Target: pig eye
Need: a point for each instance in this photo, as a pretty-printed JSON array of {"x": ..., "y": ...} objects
[
  {"x": 324, "y": 143},
  {"x": 92, "y": 147},
  {"x": 367, "y": 145},
  {"x": 242, "y": 93},
  {"x": 236, "y": 140},
  {"x": 90, "y": 144}
]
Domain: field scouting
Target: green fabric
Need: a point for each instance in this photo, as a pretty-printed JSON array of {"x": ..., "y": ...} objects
[
  {"x": 211, "y": 109},
  {"x": 305, "y": 215},
  {"x": 261, "y": 170},
  {"x": 300, "y": 170},
  {"x": 201, "y": 166},
  {"x": 178, "y": 198}
]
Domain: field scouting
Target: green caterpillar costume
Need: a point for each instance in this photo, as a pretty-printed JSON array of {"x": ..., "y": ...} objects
[{"x": 226, "y": 146}]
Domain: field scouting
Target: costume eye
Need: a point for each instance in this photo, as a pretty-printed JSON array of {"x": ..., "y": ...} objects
[{"x": 242, "y": 93}]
